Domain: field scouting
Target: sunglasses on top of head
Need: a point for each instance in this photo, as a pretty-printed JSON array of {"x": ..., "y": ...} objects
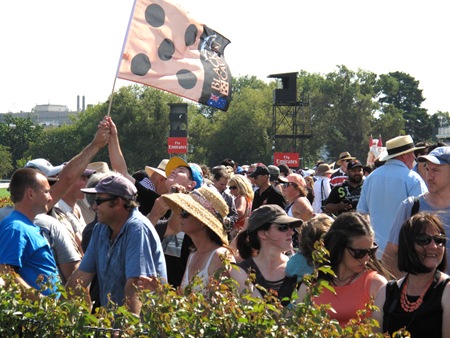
[
  {"x": 424, "y": 239},
  {"x": 361, "y": 253}
]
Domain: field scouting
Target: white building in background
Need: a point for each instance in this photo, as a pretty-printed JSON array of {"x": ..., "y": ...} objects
[
  {"x": 49, "y": 115},
  {"x": 444, "y": 134}
]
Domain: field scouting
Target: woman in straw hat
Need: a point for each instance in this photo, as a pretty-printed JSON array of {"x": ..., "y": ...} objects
[
  {"x": 263, "y": 246},
  {"x": 201, "y": 214}
]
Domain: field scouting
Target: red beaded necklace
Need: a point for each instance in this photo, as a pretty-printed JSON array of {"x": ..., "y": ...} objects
[
  {"x": 408, "y": 306},
  {"x": 349, "y": 280}
]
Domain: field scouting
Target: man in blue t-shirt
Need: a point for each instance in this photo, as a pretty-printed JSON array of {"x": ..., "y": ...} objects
[
  {"x": 123, "y": 246},
  {"x": 22, "y": 247}
]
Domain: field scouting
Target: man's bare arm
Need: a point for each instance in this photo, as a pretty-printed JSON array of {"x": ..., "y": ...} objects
[
  {"x": 76, "y": 166},
  {"x": 132, "y": 295},
  {"x": 116, "y": 157}
]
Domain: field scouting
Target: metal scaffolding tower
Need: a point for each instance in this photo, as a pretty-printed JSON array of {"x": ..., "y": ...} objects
[{"x": 291, "y": 120}]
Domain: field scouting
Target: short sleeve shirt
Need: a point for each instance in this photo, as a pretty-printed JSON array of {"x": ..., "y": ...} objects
[
  {"x": 136, "y": 251},
  {"x": 23, "y": 246}
]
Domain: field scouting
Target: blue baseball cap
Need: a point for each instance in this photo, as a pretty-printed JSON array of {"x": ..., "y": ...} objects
[
  {"x": 439, "y": 155},
  {"x": 176, "y": 162}
]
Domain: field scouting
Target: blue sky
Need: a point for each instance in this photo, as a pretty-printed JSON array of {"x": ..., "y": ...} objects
[{"x": 54, "y": 50}]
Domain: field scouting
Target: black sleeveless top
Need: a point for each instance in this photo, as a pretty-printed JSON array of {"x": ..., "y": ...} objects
[
  {"x": 426, "y": 321},
  {"x": 284, "y": 287}
]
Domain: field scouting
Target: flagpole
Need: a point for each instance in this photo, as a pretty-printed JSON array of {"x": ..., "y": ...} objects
[{"x": 121, "y": 55}]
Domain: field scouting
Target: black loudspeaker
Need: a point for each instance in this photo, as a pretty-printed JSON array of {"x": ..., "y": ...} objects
[
  {"x": 288, "y": 93},
  {"x": 178, "y": 120}
]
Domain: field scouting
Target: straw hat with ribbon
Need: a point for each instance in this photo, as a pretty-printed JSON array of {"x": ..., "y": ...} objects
[
  {"x": 398, "y": 146},
  {"x": 205, "y": 204}
]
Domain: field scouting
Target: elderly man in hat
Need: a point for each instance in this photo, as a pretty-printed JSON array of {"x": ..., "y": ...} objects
[
  {"x": 389, "y": 185},
  {"x": 436, "y": 200},
  {"x": 124, "y": 245},
  {"x": 340, "y": 175},
  {"x": 321, "y": 186},
  {"x": 344, "y": 197}
]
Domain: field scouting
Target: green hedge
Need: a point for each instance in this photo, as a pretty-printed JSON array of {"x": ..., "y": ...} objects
[{"x": 220, "y": 311}]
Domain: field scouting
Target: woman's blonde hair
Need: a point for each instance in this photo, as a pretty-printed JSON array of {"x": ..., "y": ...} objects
[{"x": 243, "y": 185}]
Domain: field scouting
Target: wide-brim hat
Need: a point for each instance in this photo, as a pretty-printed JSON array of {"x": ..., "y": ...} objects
[
  {"x": 160, "y": 169},
  {"x": 270, "y": 213},
  {"x": 99, "y": 167},
  {"x": 323, "y": 169},
  {"x": 344, "y": 156},
  {"x": 398, "y": 146},
  {"x": 205, "y": 204}
]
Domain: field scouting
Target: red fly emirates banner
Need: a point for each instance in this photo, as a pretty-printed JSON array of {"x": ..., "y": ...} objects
[
  {"x": 292, "y": 160},
  {"x": 177, "y": 145}
]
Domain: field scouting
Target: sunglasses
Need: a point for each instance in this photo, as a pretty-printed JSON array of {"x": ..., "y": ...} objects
[
  {"x": 284, "y": 227},
  {"x": 232, "y": 187},
  {"x": 361, "y": 253},
  {"x": 99, "y": 200},
  {"x": 287, "y": 184},
  {"x": 424, "y": 239},
  {"x": 184, "y": 214}
]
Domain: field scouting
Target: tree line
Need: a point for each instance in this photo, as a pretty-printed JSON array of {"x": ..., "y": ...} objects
[{"x": 345, "y": 107}]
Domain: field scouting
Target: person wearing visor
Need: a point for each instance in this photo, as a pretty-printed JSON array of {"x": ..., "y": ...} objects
[
  {"x": 358, "y": 274},
  {"x": 263, "y": 247}
]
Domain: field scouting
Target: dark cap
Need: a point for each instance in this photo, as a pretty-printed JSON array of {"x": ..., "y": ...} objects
[
  {"x": 270, "y": 213},
  {"x": 114, "y": 185},
  {"x": 274, "y": 172},
  {"x": 260, "y": 170},
  {"x": 354, "y": 164}
]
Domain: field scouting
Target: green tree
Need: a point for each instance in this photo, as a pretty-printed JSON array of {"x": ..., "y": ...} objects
[
  {"x": 6, "y": 166},
  {"x": 17, "y": 134},
  {"x": 344, "y": 111},
  {"x": 402, "y": 91},
  {"x": 243, "y": 133},
  {"x": 57, "y": 144}
]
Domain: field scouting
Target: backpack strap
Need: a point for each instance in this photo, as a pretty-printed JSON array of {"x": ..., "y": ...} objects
[{"x": 416, "y": 206}]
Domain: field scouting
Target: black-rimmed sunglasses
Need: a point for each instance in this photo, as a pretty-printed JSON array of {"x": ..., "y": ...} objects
[
  {"x": 184, "y": 214},
  {"x": 99, "y": 200},
  {"x": 361, "y": 253},
  {"x": 232, "y": 187},
  {"x": 287, "y": 184},
  {"x": 284, "y": 227},
  {"x": 424, "y": 239}
]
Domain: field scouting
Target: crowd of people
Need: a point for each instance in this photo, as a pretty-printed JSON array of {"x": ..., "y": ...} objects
[{"x": 107, "y": 234}]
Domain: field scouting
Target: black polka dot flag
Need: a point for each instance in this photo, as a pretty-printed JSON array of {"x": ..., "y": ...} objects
[{"x": 166, "y": 49}]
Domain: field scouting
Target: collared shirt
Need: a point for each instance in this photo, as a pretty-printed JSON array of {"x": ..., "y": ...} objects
[
  {"x": 136, "y": 251},
  {"x": 23, "y": 246},
  {"x": 383, "y": 191}
]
